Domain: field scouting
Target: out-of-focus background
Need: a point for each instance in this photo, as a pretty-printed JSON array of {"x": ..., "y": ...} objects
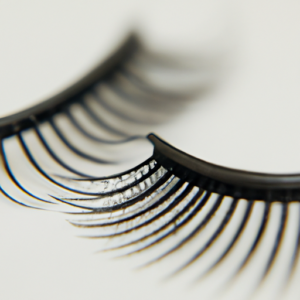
[{"x": 249, "y": 119}]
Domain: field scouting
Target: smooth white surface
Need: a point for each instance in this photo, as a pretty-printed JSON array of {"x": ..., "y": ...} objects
[
  {"x": 47, "y": 46},
  {"x": 249, "y": 121}
]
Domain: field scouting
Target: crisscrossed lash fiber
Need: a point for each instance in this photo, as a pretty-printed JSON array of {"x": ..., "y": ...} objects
[{"x": 121, "y": 200}]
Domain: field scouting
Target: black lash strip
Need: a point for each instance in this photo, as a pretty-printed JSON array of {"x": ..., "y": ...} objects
[{"x": 164, "y": 194}]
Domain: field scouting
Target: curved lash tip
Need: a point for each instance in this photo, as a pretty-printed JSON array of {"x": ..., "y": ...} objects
[
  {"x": 70, "y": 178},
  {"x": 71, "y": 204}
]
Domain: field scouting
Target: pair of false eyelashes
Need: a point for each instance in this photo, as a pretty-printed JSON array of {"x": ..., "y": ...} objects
[{"x": 58, "y": 155}]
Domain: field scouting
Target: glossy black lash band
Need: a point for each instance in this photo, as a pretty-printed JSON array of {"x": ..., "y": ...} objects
[{"x": 226, "y": 181}]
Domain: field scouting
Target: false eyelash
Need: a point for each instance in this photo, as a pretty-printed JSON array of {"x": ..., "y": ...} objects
[
  {"x": 57, "y": 130},
  {"x": 157, "y": 207}
]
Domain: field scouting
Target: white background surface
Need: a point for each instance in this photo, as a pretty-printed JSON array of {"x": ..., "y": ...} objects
[{"x": 249, "y": 121}]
